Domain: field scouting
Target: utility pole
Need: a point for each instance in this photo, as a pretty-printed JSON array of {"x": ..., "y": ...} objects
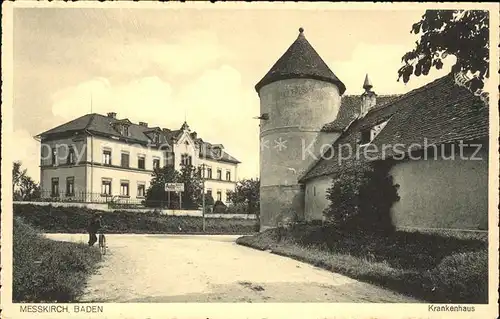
[{"x": 203, "y": 193}]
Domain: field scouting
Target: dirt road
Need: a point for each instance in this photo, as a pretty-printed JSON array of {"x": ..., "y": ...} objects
[{"x": 176, "y": 268}]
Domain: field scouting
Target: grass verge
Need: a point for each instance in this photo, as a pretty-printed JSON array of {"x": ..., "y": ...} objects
[
  {"x": 74, "y": 220},
  {"x": 437, "y": 268},
  {"x": 46, "y": 270}
]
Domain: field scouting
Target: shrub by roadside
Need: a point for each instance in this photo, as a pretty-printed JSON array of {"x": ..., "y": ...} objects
[
  {"x": 75, "y": 219},
  {"x": 436, "y": 268},
  {"x": 46, "y": 270}
]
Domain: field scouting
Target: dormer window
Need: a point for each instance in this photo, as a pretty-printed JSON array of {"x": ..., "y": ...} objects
[
  {"x": 217, "y": 152},
  {"x": 156, "y": 138},
  {"x": 368, "y": 135},
  {"x": 122, "y": 128},
  {"x": 125, "y": 131}
]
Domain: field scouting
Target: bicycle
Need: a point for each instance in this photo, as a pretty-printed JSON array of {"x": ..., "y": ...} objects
[{"x": 102, "y": 243}]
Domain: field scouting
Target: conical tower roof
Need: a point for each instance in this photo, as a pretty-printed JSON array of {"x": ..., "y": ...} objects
[
  {"x": 300, "y": 61},
  {"x": 367, "y": 85}
]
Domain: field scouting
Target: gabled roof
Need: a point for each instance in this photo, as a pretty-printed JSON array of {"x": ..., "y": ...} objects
[
  {"x": 208, "y": 150},
  {"x": 350, "y": 108},
  {"x": 105, "y": 125},
  {"x": 300, "y": 61},
  {"x": 441, "y": 112}
]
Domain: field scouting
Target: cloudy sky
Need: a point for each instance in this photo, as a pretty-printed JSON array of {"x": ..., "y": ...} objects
[{"x": 162, "y": 65}]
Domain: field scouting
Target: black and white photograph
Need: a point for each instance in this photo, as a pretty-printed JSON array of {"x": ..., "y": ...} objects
[{"x": 248, "y": 155}]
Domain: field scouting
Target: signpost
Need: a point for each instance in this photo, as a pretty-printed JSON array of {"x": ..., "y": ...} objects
[
  {"x": 202, "y": 166},
  {"x": 175, "y": 187}
]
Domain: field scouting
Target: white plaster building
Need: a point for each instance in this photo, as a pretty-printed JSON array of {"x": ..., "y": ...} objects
[
  {"x": 303, "y": 107},
  {"x": 95, "y": 157}
]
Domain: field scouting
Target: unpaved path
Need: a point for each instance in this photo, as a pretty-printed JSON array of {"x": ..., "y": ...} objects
[{"x": 177, "y": 268}]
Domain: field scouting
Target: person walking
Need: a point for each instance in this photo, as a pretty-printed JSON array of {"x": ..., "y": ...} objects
[{"x": 94, "y": 225}]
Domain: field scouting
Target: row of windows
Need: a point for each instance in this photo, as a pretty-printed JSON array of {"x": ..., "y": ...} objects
[
  {"x": 70, "y": 156},
  {"x": 141, "y": 162},
  {"x": 186, "y": 160},
  {"x": 106, "y": 188},
  {"x": 125, "y": 160},
  {"x": 106, "y": 159},
  {"x": 208, "y": 174},
  {"x": 219, "y": 194},
  {"x": 70, "y": 186}
]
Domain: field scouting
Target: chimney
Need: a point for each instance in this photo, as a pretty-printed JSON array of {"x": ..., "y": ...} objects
[
  {"x": 368, "y": 98},
  {"x": 112, "y": 115},
  {"x": 194, "y": 135},
  {"x": 143, "y": 124}
]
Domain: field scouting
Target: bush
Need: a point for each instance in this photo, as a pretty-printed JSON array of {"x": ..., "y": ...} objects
[
  {"x": 247, "y": 192},
  {"x": 461, "y": 277},
  {"x": 361, "y": 198},
  {"x": 46, "y": 270},
  {"x": 219, "y": 207},
  {"x": 75, "y": 220},
  {"x": 238, "y": 208}
]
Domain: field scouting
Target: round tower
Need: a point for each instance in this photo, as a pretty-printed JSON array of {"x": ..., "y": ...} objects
[{"x": 298, "y": 96}]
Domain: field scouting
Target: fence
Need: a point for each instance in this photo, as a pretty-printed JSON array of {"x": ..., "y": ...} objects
[
  {"x": 113, "y": 201},
  {"x": 169, "y": 212},
  {"x": 116, "y": 202}
]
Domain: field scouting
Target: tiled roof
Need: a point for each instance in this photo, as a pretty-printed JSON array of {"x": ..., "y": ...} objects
[
  {"x": 300, "y": 61},
  {"x": 209, "y": 151},
  {"x": 105, "y": 125},
  {"x": 350, "y": 108},
  {"x": 441, "y": 112},
  {"x": 74, "y": 125}
]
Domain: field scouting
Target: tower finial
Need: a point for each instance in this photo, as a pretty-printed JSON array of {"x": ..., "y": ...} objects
[
  {"x": 301, "y": 30},
  {"x": 367, "y": 85}
]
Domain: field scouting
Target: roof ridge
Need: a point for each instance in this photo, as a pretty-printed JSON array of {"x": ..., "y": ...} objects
[
  {"x": 423, "y": 87},
  {"x": 60, "y": 125},
  {"x": 92, "y": 116},
  {"x": 399, "y": 97}
]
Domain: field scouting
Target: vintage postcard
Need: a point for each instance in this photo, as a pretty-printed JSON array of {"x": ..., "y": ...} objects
[{"x": 249, "y": 160}]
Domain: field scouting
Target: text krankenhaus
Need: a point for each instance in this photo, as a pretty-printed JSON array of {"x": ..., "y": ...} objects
[
  {"x": 61, "y": 309},
  {"x": 448, "y": 308}
]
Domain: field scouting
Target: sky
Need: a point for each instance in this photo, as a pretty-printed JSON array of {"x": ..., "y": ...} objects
[{"x": 162, "y": 66}]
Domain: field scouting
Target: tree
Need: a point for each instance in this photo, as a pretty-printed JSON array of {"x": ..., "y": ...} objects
[
  {"x": 23, "y": 186},
  {"x": 361, "y": 198},
  {"x": 29, "y": 189},
  {"x": 462, "y": 33},
  {"x": 191, "y": 177},
  {"x": 247, "y": 192},
  {"x": 156, "y": 195},
  {"x": 17, "y": 174},
  {"x": 345, "y": 202}
]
